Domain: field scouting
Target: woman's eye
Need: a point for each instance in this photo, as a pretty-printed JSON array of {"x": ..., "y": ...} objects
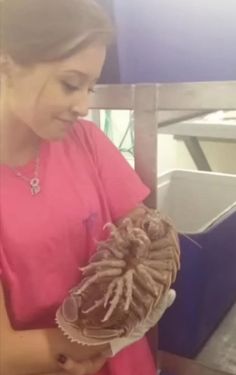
[{"x": 69, "y": 88}]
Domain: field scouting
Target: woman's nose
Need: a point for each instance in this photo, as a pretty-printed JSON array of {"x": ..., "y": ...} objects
[{"x": 80, "y": 107}]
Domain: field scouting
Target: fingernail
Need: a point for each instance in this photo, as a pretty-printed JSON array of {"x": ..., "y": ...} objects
[{"x": 61, "y": 359}]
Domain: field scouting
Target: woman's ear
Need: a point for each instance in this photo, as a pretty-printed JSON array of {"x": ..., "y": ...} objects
[
  {"x": 5, "y": 68},
  {"x": 4, "y": 64},
  {"x": 8, "y": 69}
]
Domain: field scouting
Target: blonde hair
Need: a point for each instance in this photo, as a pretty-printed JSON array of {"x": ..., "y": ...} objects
[{"x": 35, "y": 31}]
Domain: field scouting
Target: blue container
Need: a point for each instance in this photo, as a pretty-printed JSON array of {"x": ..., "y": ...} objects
[{"x": 206, "y": 289}]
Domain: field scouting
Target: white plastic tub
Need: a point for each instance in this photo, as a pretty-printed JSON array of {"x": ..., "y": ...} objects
[{"x": 194, "y": 200}]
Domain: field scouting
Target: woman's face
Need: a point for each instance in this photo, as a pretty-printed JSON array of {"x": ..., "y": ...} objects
[{"x": 49, "y": 97}]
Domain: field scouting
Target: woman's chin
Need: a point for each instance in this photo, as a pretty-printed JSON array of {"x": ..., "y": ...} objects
[{"x": 58, "y": 134}]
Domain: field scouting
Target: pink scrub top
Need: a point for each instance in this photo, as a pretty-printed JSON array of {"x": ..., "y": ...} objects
[{"x": 44, "y": 239}]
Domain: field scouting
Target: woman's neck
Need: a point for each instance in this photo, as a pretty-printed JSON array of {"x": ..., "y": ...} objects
[{"x": 18, "y": 143}]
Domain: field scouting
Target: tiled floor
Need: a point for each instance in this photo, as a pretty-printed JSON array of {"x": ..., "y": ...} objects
[{"x": 220, "y": 351}]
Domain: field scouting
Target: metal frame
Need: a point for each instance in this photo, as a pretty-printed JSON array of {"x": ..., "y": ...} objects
[
  {"x": 158, "y": 105},
  {"x": 194, "y": 148}
]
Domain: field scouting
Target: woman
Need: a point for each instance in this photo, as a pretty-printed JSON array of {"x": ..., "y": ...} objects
[{"x": 61, "y": 181}]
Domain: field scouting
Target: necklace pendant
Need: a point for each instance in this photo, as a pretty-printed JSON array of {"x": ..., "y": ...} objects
[{"x": 35, "y": 186}]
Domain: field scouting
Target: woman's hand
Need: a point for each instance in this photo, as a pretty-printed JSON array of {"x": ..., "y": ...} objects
[
  {"x": 89, "y": 367},
  {"x": 140, "y": 331}
]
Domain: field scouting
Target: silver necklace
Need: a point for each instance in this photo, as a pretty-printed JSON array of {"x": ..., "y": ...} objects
[{"x": 34, "y": 182}]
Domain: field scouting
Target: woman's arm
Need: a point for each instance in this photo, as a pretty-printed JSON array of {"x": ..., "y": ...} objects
[{"x": 35, "y": 351}]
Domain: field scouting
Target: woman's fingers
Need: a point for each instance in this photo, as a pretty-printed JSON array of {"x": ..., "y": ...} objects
[{"x": 88, "y": 367}]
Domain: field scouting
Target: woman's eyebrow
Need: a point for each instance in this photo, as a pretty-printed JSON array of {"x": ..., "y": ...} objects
[{"x": 82, "y": 75}]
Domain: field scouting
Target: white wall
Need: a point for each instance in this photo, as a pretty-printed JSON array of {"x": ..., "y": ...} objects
[{"x": 172, "y": 154}]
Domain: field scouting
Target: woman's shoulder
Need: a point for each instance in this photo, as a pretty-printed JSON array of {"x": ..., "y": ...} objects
[
  {"x": 86, "y": 128},
  {"x": 89, "y": 136}
]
